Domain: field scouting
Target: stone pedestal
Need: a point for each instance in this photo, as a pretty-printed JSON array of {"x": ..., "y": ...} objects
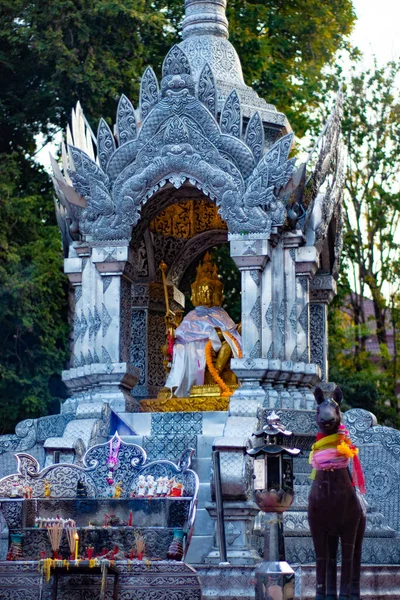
[{"x": 239, "y": 517}]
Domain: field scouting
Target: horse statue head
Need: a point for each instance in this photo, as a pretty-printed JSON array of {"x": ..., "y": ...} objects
[{"x": 328, "y": 411}]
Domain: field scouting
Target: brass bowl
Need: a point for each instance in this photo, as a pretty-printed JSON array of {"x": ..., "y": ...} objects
[{"x": 273, "y": 500}]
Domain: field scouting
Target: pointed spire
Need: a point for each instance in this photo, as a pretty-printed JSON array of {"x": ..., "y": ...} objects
[{"x": 205, "y": 17}]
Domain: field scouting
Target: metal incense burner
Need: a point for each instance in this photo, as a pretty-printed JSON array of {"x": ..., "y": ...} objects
[{"x": 273, "y": 493}]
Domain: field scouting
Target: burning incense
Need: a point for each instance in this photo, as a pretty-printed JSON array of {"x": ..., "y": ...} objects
[
  {"x": 54, "y": 531},
  {"x": 71, "y": 532},
  {"x": 140, "y": 544}
]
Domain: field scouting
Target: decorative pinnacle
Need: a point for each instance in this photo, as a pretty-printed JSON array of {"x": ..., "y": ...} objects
[{"x": 205, "y": 17}]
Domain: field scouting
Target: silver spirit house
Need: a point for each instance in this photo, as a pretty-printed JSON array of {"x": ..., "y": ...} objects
[{"x": 203, "y": 161}]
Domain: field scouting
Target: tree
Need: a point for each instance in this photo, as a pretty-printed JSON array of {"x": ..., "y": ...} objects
[
  {"x": 33, "y": 306},
  {"x": 372, "y": 199},
  {"x": 51, "y": 54},
  {"x": 372, "y": 217}
]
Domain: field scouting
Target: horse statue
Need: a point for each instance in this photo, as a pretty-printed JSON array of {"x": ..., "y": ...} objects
[{"x": 335, "y": 510}]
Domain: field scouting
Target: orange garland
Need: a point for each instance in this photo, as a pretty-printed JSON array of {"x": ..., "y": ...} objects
[
  {"x": 236, "y": 343},
  {"x": 214, "y": 372},
  {"x": 226, "y": 391}
]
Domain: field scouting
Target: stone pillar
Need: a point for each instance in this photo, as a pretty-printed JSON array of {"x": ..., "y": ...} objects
[
  {"x": 308, "y": 371},
  {"x": 251, "y": 255},
  {"x": 101, "y": 370},
  {"x": 322, "y": 292}
]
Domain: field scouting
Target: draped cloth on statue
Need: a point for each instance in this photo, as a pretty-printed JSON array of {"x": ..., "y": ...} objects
[{"x": 191, "y": 337}]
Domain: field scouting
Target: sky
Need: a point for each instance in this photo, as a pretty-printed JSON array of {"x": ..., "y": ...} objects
[
  {"x": 376, "y": 33},
  {"x": 377, "y": 29}
]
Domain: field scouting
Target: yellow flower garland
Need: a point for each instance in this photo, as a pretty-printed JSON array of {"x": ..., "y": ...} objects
[
  {"x": 51, "y": 563},
  {"x": 346, "y": 449},
  {"x": 226, "y": 391}
]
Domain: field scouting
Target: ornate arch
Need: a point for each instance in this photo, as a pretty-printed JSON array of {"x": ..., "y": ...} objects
[
  {"x": 193, "y": 249},
  {"x": 173, "y": 138}
]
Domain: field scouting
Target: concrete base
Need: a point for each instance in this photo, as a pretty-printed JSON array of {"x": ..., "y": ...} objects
[
  {"x": 225, "y": 582},
  {"x": 161, "y": 580},
  {"x": 378, "y": 582}
]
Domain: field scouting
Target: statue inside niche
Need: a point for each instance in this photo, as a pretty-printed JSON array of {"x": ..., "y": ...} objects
[{"x": 205, "y": 340}]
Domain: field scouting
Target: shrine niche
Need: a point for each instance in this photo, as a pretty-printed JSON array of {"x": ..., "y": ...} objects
[{"x": 198, "y": 350}]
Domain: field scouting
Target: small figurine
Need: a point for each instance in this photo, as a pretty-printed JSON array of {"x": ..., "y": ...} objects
[
  {"x": 109, "y": 478},
  {"x": 160, "y": 486},
  {"x": 177, "y": 489},
  {"x": 47, "y": 490},
  {"x": 118, "y": 490},
  {"x": 151, "y": 486},
  {"x": 28, "y": 492},
  {"x": 81, "y": 491},
  {"x": 14, "y": 493},
  {"x": 165, "y": 486},
  {"x": 142, "y": 486},
  {"x": 170, "y": 485}
]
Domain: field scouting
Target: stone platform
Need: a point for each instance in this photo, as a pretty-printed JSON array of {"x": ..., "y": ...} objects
[
  {"x": 139, "y": 580},
  {"x": 378, "y": 582},
  {"x": 166, "y": 580}
]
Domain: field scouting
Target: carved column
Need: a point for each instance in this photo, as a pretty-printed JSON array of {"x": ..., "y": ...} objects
[
  {"x": 308, "y": 371},
  {"x": 101, "y": 370},
  {"x": 322, "y": 292},
  {"x": 251, "y": 254}
]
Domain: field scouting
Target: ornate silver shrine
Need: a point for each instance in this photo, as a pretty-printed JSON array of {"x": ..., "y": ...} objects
[{"x": 200, "y": 140}]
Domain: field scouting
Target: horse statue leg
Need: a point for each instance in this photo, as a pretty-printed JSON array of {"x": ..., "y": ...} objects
[
  {"x": 347, "y": 539},
  {"x": 355, "y": 579},
  {"x": 320, "y": 539},
  {"x": 331, "y": 568}
]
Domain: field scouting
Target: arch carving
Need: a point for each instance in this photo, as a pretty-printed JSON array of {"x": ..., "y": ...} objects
[
  {"x": 104, "y": 186},
  {"x": 192, "y": 250}
]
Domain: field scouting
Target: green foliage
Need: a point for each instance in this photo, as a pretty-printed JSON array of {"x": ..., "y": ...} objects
[
  {"x": 364, "y": 382},
  {"x": 54, "y": 53},
  {"x": 33, "y": 307},
  {"x": 284, "y": 47},
  {"x": 372, "y": 218}
]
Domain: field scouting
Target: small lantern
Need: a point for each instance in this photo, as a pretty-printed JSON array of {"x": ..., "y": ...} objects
[
  {"x": 273, "y": 467},
  {"x": 273, "y": 493}
]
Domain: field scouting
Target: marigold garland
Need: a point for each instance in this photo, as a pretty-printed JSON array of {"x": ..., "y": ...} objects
[
  {"x": 236, "y": 343},
  {"x": 50, "y": 563},
  {"x": 214, "y": 372},
  {"x": 346, "y": 449}
]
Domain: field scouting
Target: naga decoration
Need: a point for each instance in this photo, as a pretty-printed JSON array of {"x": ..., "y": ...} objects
[{"x": 173, "y": 138}]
